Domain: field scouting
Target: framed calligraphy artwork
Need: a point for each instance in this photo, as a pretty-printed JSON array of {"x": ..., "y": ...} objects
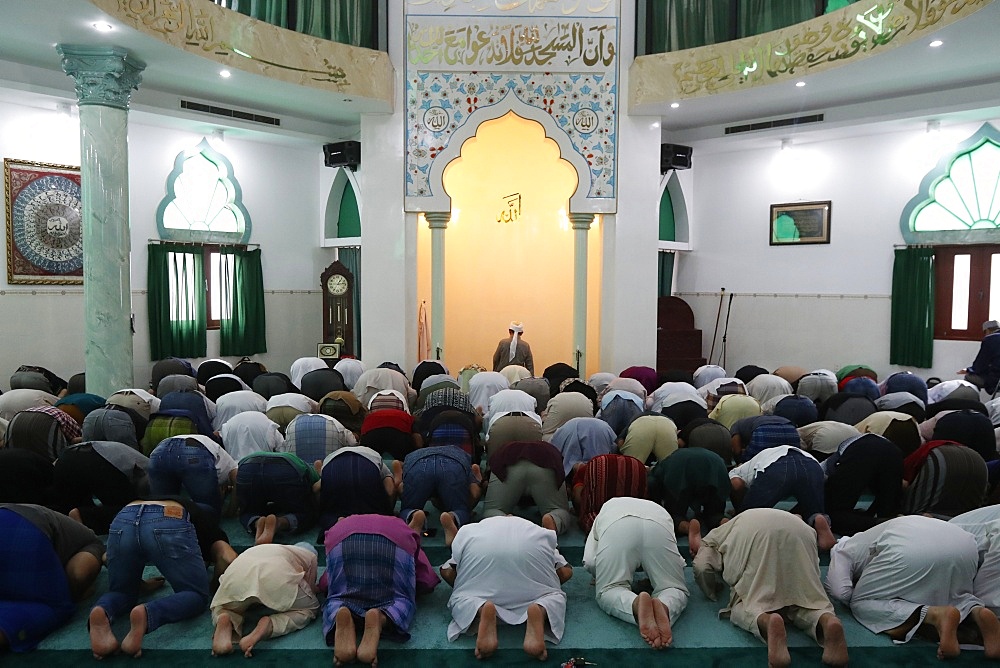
[
  {"x": 800, "y": 223},
  {"x": 44, "y": 223}
]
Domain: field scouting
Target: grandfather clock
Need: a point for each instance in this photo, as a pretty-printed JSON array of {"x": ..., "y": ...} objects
[{"x": 338, "y": 306}]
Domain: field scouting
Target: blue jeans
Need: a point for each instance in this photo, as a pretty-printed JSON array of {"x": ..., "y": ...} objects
[
  {"x": 795, "y": 474},
  {"x": 427, "y": 474},
  {"x": 143, "y": 534},
  {"x": 268, "y": 485},
  {"x": 175, "y": 464}
]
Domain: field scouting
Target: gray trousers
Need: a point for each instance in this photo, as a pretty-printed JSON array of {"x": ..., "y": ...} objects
[{"x": 527, "y": 479}]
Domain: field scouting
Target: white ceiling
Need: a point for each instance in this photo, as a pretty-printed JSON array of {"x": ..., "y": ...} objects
[{"x": 906, "y": 85}]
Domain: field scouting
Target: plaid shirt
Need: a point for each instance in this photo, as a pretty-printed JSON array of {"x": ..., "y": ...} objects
[
  {"x": 311, "y": 436},
  {"x": 70, "y": 428}
]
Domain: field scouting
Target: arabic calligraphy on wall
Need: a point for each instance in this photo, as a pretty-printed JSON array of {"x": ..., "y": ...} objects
[
  {"x": 566, "y": 67},
  {"x": 511, "y": 211},
  {"x": 565, "y": 7},
  {"x": 849, "y": 34}
]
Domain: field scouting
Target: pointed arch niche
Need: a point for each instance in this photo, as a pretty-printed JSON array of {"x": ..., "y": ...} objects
[
  {"x": 510, "y": 247},
  {"x": 342, "y": 216}
]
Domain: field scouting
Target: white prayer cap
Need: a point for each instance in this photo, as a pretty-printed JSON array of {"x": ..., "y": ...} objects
[{"x": 516, "y": 326}]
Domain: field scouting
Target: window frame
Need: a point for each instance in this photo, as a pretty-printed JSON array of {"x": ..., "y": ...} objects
[{"x": 980, "y": 274}]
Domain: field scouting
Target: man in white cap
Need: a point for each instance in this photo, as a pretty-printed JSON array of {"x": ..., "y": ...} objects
[
  {"x": 984, "y": 372},
  {"x": 514, "y": 350}
]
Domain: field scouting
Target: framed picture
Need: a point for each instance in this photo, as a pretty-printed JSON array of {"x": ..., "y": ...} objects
[
  {"x": 800, "y": 223},
  {"x": 44, "y": 223}
]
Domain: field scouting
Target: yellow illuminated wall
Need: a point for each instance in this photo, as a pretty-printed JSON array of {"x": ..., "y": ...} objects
[{"x": 498, "y": 271}]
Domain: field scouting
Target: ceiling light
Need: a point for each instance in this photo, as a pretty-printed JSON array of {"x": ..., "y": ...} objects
[
  {"x": 101, "y": 26},
  {"x": 225, "y": 74},
  {"x": 674, "y": 105},
  {"x": 800, "y": 84},
  {"x": 936, "y": 43}
]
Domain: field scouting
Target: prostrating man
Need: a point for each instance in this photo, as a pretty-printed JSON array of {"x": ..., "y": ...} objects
[
  {"x": 47, "y": 561},
  {"x": 282, "y": 578},
  {"x": 507, "y": 568},
  {"x": 769, "y": 560},
  {"x": 626, "y": 534},
  {"x": 691, "y": 479},
  {"x": 274, "y": 494},
  {"x": 529, "y": 468},
  {"x": 374, "y": 571},
  {"x": 913, "y": 573},
  {"x": 984, "y": 525}
]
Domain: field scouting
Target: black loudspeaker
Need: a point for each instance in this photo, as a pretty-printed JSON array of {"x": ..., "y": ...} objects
[
  {"x": 674, "y": 156},
  {"x": 343, "y": 154}
]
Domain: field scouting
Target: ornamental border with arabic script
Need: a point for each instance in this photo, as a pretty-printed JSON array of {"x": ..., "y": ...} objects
[
  {"x": 853, "y": 33},
  {"x": 565, "y": 66}
]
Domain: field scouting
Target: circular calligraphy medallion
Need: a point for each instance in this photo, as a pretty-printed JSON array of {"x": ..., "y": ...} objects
[
  {"x": 585, "y": 121},
  {"x": 436, "y": 119},
  {"x": 47, "y": 225}
]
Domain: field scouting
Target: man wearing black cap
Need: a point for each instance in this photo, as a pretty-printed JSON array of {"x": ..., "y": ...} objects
[{"x": 984, "y": 372}]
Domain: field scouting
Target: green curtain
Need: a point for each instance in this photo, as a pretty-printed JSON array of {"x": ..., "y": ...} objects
[
  {"x": 834, "y": 5},
  {"x": 176, "y": 324},
  {"x": 242, "y": 284},
  {"x": 351, "y": 258},
  {"x": 345, "y": 21},
  {"x": 665, "y": 273},
  {"x": 911, "y": 338},
  {"x": 760, "y": 16},
  {"x": 674, "y": 25}
]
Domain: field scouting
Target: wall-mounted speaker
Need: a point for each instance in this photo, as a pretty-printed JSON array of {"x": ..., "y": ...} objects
[
  {"x": 343, "y": 154},
  {"x": 674, "y": 156}
]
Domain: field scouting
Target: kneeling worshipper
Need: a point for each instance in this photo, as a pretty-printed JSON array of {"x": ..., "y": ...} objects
[
  {"x": 629, "y": 533},
  {"x": 43, "y": 429},
  {"x": 867, "y": 462},
  {"x": 769, "y": 560},
  {"x": 13, "y": 402},
  {"x": 562, "y": 408},
  {"x": 691, "y": 479},
  {"x": 606, "y": 477},
  {"x": 945, "y": 479},
  {"x": 708, "y": 434},
  {"x": 984, "y": 525},
  {"x": 232, "y": 404},
  {"x": 47, "y": 562},
  {"x": 112, "y": 473},
  {"x": 443, "y": 473},
  {"x": 25, "y": 477},
  {"x": 251, "y": 432},
  {"x": 751, "y": 435},
  {"x": 388, "y": 431},
  {"x": 178, "y": 538},
  {"x": 650, "y": 437},
  {"x": 313, "y": 436},
  {"x": 274, "y": 495},
  {"x": 581, "y": 439},
  {"x": 374, "y": 571},
  {"x": 913, "y": 573},
  {"x": 281, "y": 578},
  {"x": 354, "y": 480},
  {"x": 529, "y": 468},
  {"x": 778, "y": 473},
  {"x": 507, "y": 568},
  {"x": 195, "y": 464}
]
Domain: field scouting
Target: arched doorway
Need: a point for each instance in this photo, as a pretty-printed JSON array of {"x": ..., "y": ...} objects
[{"x": 509, "y": 248}]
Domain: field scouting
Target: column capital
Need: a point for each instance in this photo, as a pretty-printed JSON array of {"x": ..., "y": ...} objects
[
  {"x": 438, "y": 220},
  {"x": 104, "y": 76},
  {"x": 581, "y": 221}
]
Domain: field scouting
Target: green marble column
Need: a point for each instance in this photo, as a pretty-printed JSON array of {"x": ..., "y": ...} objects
[
  {"x": 105, "y": 78},
  {"x": 581, "y": 227},
  {"x": 438, "y": 222}
]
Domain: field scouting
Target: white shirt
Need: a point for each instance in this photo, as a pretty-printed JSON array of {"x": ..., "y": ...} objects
[
  {"x": 748, "y": 471},
  {"x": 366, "y": 452},
  {"x": 224, "y": 462}
]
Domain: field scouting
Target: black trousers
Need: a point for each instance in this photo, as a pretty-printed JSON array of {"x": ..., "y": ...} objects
[{"x": 868, "y": 465}]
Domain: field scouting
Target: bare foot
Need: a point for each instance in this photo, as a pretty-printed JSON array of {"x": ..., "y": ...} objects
[
  {"x": 534, "y": 634},
  {"x": 270, "y": 528},
  {"x": 486, "y": 640},
  {"x": 989, "y": 627},
  {"x": 549, "y": 522},
  {"x": 258, "y": 530},
  {"x": 375, "y": 619},
  {"x": 642, "y": 610},
  {"x": 834, "y": 643},
  {"x": 662, "y": 616},
  {"x": 132, "y": 643},
  {"x": 222, "y": 641},
  {"x": 824, "y": 536},
  {"x": 260, "y": 632},
  {"x": 74, "y": 514},
  {"x": 945, "y": 619},
  {"x": 450, "y": 528},
  {"x": 102, "y": 641},
  {"x": 397, "y": 475},
  {"x": 682, "y": 527},
  {"x": 772, "y": 627},
  {"x": 694, "y": 537},
  {"x": 345, "y": 640},
  {"x": 417, "y": 520}
]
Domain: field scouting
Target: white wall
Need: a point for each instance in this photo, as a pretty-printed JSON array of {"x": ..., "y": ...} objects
[
  {"x": 43, "y": 324},
  {"x": 819, "y": 306}
]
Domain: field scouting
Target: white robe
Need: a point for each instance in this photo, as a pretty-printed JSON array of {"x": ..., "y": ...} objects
[
  {"x": 984, "y": 525},
  {"x": 511, "y": 562},
  {"x": 906, "y": 564}
]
